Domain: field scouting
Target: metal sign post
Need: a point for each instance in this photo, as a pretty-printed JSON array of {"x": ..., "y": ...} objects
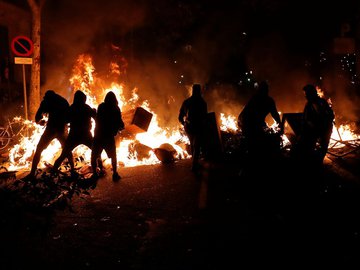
[
  {"x": 25, "y": 98},
  {"x": 24, "y": 47}
]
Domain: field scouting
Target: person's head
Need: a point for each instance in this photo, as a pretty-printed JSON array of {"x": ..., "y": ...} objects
[
  {"x": 310, "y": 91},
  {"x": 263, "y": 88},
  {"x": 196, "y": 90},
  {"x": 49, "y": 94},
  {"x": 110, "y": 99},
  {"x": 79, "y": 97}
]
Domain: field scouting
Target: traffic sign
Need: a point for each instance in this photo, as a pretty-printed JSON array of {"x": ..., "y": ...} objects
[
  {"x": 22, "y": 46},
  {"x": 23, "y": 60}
]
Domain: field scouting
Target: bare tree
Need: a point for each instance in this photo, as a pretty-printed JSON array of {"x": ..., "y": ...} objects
[{"x": 34, "y": 93}]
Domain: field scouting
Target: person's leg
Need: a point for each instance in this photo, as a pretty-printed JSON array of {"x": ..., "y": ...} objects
[
  {"x": 95, "y": 155},
  {"x": 305, "y": 151},
  {"x": 196, "y": 152},
  {"x": 191, "y": 140},
  {"x": 193, "y": 148},
  {"x": 62, "y": 139},
  {"x": 324, "y": 142},
  {"x": 87, "y": 140},
  {"x": 68, "y": 147},
  {"x": 111, "y": 153},
  {"x": 44, "y": 141}
]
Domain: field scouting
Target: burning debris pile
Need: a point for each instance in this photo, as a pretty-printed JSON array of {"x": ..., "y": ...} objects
[
  {"x": 234, "y": 142},
  {"x": 344, "y": 139},
  {"x": 143, "y": 142},
  {"x": 136, "y": 145}
]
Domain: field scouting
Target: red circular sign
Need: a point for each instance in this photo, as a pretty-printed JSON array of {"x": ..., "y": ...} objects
[{"x": 22, "y": 46}]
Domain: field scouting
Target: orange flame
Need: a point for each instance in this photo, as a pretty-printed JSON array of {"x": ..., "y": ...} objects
[{"x": 84, "y": 78}]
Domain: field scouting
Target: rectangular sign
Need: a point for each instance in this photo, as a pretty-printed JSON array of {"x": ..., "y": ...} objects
[{"x": 23, "y": 60}]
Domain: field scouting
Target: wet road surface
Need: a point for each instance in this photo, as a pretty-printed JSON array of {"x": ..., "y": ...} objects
[{"x": 226, "y": 217}]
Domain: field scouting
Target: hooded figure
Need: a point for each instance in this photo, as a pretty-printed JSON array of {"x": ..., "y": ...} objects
[
  {"x": 192, "y": 116},
  {"x": 253, "y": 126},
  {"x": 108, "y": 123},
  {"x": 56, "y": 107},
  {"x": 252, "y": 118},
  {"x": 79, "y": 116},
  {"x": 317, "y": 125}
]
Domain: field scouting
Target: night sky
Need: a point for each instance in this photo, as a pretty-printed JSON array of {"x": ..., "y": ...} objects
[{"x": 211, "y": 42}]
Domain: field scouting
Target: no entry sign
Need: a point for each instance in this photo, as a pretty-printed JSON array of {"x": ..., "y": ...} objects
[{"x": 22, "y": 46}]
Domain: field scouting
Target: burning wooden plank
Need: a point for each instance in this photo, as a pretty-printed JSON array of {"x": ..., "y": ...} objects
[{"x": 137, "y": 120}]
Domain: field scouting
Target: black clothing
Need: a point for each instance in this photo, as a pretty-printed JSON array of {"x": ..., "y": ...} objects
[
  {"x": 56, "y": 107},
  {"x": 79, "y": 116},
  {"x": 252, "y": 118},
  {"x": 108, "y": 123},
  {"x": 192, "y": 116},
  {"x": 317, "y": 126},
  {"x": 259, "y": 140}
]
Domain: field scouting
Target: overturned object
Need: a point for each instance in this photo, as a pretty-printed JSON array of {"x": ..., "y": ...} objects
[
  {"x": 166, "y": 153},
  {"x": 136, "y": 120},
  {"x": 139, "y": 150}
]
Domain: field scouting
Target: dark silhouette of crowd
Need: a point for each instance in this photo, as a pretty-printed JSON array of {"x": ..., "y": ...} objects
[
  {"x": 261, "y": 141},
  {"x": 108, "y": 122}
]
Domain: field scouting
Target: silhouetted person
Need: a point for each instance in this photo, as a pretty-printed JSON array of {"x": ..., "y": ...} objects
[
  {"x": 79, "y": 117},
  {"x": 108, "y": 123},
  {"x": 56, "y": 127},
  {"x": 317, "y": 125},
  {"x": 192, "y": 116},
  {"x": 252, "y": 122}
]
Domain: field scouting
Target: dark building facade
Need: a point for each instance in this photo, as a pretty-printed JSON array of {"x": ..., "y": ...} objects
[{"x": 14, "y": 21}]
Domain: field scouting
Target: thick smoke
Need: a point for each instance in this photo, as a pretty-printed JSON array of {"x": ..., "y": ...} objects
[
  {"x": 71, "y": 28},
  {"x": 286, "y": 73},
  {"x": 92, "y": 27},
  {"x": 171, "y": 44}
]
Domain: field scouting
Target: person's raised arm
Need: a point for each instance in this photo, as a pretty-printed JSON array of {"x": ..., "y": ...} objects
[{"x": 40, "y": 111}]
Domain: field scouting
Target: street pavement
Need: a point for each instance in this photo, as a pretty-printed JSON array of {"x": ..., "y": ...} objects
[{"x": 231, "y": 215}]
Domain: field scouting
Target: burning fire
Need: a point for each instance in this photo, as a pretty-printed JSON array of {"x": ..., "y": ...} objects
[
  {"x": 85, "y": 79},
  {"x": 341, "y": 135},
  {"x": 228, "y": 123}
]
